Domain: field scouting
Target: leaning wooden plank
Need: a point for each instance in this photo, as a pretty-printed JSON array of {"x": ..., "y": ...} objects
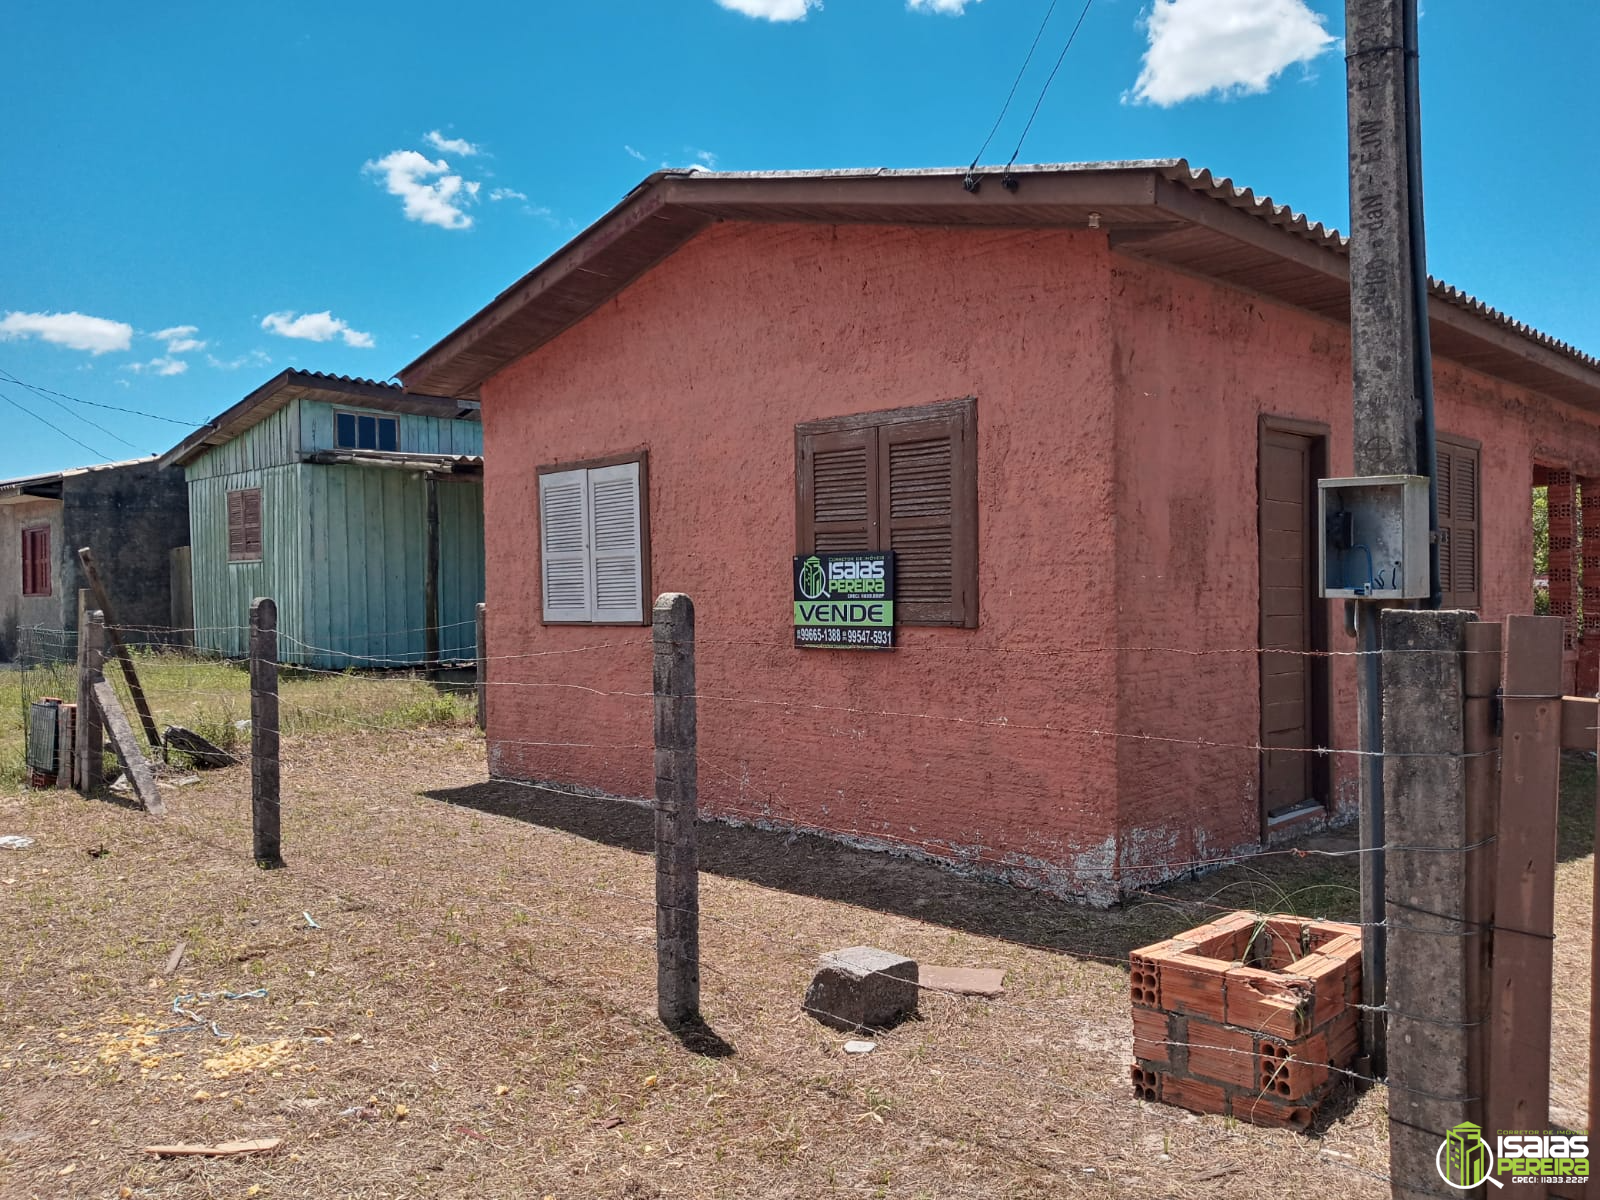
[
  {"x": 124, "y": 659},
  {"x": 127, "y": 747},
  {"x": 220, "y": 1150}
]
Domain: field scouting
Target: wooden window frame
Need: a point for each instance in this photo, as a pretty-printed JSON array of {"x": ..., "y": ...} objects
[
  {"x": 1455, "y": 598},
  {"x": 242, "y": 551},
  {"x": 962, "y": 609},
  {"x": 358, "y": 414},
  {"x": 31, "y": 534},
  {"x": 641, "y": 457}
]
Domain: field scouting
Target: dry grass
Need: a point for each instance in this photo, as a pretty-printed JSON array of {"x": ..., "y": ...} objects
[
  {"x": 212, "y": 697},
  {"x": 484, "y": 963}
]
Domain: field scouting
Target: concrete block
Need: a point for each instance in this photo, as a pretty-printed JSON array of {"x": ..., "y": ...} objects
[{"x": 862, "y": 988}]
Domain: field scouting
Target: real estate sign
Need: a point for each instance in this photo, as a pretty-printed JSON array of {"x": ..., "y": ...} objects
[{"x": 844, "y": 601}]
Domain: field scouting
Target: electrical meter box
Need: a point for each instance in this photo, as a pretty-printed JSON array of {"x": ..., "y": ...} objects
[{"x": 1372, "y": 537}]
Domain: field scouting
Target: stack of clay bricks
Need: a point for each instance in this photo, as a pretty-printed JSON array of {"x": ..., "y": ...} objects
[{"x": 1247, "y": 1016}]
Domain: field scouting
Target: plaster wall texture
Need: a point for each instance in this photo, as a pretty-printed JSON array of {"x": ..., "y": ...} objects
[
  {"x": 1118, "y": 408},
  {"x": 709, "y": 361},
  {"x": 19, "y": 612},
  {"x": 1197, "y": 366}
]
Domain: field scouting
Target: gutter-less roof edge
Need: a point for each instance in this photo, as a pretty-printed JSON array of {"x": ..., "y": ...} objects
[
  {"x": 673, "y": 193},
  {"x": 290, "y": 384}
]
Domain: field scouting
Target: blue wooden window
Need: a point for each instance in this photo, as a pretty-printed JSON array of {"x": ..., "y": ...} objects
[{"x": 362, "y": 431}]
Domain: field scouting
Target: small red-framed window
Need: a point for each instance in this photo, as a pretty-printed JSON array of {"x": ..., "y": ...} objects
[{"x": 36, "y": 561}]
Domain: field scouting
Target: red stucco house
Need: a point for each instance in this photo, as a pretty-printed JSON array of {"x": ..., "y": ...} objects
[{"x": 1087, "y": 413}]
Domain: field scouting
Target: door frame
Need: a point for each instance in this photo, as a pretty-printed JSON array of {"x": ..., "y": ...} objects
[{"x": 1320, "y": 718}]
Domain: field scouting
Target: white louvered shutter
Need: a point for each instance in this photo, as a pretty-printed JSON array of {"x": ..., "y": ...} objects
[
  {"x": 564, "y": 546},
  {"x": 618, "y": 584}
]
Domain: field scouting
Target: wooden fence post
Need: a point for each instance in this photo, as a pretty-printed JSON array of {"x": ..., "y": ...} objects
[
  {"x": 1525, "y": 881},
  {"x": 1428, "y": 866},
  {"x": 677, "y": 808},
  {"x": 124, "y": 658},
  {"x": 1594, "y": 962},
  {"x": 483, "y": 666},
  {"x": 264, "y": 806},
  {"x": 91, "y": 670},
  {"x": 1481, "y": 739}
]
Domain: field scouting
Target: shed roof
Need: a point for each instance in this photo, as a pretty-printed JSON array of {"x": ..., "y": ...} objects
[
  {"x": 48, "y": 486},
  {"x": 1157, "y": 209},
  {"x": 312, "y": 385}
]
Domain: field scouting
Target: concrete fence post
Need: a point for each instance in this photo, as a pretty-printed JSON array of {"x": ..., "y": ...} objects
[
  {"x": 483, "y": 666},
  {"x": 677, "y": 809},
  {"x": 1435, "y": 860},
  {"x": 264, "y": 803},
  {"x": 90, "y": 744}
]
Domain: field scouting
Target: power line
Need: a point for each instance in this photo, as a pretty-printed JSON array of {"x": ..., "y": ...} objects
[
  {"x": 41, "y": 394},
  {"x": 100, "y": 454},
  {"x": 132, "y": 412},
  {"x": 1072, "y": 37},
  {"x": 1011, "y": 95}
]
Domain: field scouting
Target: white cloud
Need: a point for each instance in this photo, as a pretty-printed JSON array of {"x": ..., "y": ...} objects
[
  {"x": 507, "y": 194},
  {"x": 437, "y": 203},
  {"x": 73, "y": 330},
  {"x": 165, "y": 365},
  {"x": 446, "y": 145},
  {"x": 954, "y": 7},
  {"x": 634, "y": 153},
  {"x": 315, "y": 327},
  {"x": 255, "y": 358},
  {"x": 1230, "y": 47},
  {"x": 772, "y": 10},
  {"x": 708, "y": 158},
  {"x": 180, "y": 339}
]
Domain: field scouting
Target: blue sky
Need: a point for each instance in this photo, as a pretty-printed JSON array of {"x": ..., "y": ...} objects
[{"x": 202, "y": 195}]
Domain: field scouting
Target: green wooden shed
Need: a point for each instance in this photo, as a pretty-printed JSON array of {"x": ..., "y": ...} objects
[{"x": 357, "y": 506}]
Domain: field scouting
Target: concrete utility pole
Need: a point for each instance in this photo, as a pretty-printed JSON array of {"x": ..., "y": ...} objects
[{"x": 1391, "y": 376}]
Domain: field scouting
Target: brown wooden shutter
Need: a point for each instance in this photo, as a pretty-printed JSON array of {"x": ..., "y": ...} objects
[
  {"x": 36, "y": 562},
  {"x": 836, "y": 490},
  {"x": 252, "y": 523},
  {"x": 244, "y": 525},
  {"x": 1460, "y": 571},
  {"x": 928, "y": 506}
]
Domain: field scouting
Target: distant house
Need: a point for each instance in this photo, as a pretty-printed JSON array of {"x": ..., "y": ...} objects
[
  {"x": 1087, "y": 411},
  {"x": 132, "y": 515},
  {"x": 356, "y": 506}
]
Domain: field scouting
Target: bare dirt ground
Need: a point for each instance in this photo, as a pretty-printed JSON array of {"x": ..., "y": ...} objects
[{"x": 473, "y": 1014}]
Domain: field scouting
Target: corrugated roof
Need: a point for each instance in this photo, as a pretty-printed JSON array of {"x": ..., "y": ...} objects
[
  {"x": 22, "y": 484},
  {"x": 313, "y": 385},
  {"x": 1158, "y": 209}
]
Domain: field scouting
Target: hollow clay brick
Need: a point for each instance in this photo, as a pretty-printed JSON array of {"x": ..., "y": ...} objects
[
  {"x": 1151, "y": 1035},
  {"x": 1222, "y": 1055}
]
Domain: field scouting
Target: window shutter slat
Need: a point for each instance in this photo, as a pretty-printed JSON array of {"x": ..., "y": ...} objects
[
  {"x": 564, "y": 545},
  {"x": 1467, "y": 508},
  {"x": 835, "y": 504},
  {"x": 615, "y": 542},
  {"x": 1458, "y": 471},
  {"x": 920, "y": 472}
]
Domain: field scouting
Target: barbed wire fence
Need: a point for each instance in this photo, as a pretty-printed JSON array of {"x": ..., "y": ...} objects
[{"x": 568, "y": 692}]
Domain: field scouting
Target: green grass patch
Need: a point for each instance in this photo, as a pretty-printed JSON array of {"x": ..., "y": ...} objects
[{"x": 211, "y": 696}]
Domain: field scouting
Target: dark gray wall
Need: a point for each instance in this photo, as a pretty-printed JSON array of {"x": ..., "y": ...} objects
[{"x": 131, "y": 518}]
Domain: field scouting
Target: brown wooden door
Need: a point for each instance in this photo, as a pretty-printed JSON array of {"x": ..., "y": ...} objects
[{"x": 1293, "y": 684}]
